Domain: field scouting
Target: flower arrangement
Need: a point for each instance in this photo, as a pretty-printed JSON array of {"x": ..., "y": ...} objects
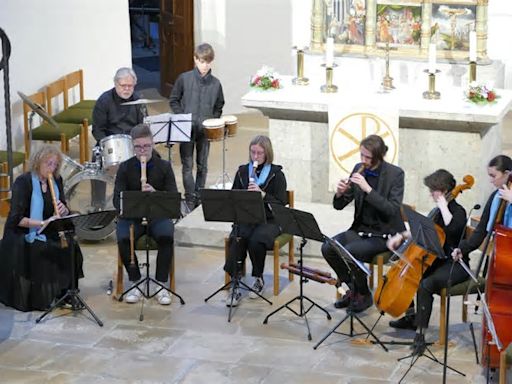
[
  {"x": 481, "y": 93},
  {"x": 265, "y": 79}
]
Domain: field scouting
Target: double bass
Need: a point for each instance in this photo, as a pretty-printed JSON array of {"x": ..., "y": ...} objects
[
  {"x": 396, "y": 291},
  {"x": 498, "y": 292}
]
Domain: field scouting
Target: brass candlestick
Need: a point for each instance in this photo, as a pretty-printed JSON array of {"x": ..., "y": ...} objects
[
  {"x": 431, "y": 94},
  {"x": 300, "y": 79},
  {"x": 387, "y": 81},
  {"x": 472, "y": 71},
  {"x": 329, "y": 87}
]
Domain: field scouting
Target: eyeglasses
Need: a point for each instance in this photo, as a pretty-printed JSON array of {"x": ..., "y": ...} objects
[
  {"x": 51, "y": 163},
  {"x": 145, "y": 147},
  {"x": 129, "y": 86}
]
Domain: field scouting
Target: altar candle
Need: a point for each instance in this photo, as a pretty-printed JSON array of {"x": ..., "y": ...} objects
[
  {"x": 432, "y": 58},
  {"x": 472, "y": 46},
  {"x": 329, "y": 52}
]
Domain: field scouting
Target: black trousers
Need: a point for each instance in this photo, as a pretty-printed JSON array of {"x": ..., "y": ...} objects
[
  {"x": 363, "y": 249},
  {"x": 256, "y": 239},
  {"x": 162, "y": 231},
  {"x": 434, "y": 280}
]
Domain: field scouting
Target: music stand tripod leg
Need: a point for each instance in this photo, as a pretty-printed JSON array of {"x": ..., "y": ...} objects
[
  {"x": 301, "y": 297},
  {"x": 72, "y": 292}
]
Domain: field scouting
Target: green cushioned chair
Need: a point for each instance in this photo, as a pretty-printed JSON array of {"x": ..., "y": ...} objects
[
  {"x": 46, "y": 132},
  {"x": 18, "y": 157},
  {"x": 279, "y": 242},
  {"x": 505, "y": 361},
  {"x": 72, "y": 80},
  {"x": 140, "y": 245},
  {"x": 74, "y": 115}
]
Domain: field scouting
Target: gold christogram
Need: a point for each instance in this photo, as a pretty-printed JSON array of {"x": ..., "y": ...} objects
[{"x": 351, "y": 130}]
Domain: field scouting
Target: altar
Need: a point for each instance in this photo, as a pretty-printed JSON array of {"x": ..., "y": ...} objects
[{"x": 449, "y": 133}]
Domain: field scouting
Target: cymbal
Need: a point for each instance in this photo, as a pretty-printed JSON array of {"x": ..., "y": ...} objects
[{"x": 144, "y": 101}]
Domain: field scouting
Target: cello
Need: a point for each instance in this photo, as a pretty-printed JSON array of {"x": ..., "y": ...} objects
[
  {"x": 498, "y": 291},
  {"x": 396, "y": 291}
]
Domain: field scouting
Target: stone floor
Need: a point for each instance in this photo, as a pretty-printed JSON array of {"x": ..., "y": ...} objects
[{"x": 194, "y": 343}]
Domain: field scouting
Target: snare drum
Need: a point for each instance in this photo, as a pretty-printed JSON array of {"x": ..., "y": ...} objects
[
  {"x": 69, "y": 167},
  {"x": 214, "y": 129},
  {"x": 231, "y": 124},
  {"x": 115, "y": 149}
]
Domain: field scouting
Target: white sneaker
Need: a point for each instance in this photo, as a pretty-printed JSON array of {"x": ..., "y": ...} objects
[
  {"x": 257, "y": 287},
  {"x": 163, "y": 297},
  {"x": 133, "y": 296},
  {"x": 233, "y": 299}
]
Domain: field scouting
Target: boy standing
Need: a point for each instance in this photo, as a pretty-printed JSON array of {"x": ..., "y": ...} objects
[{"x": 200, "y": 93}]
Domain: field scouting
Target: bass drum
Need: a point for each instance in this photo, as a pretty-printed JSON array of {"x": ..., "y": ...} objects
[{"x": 88, "y": 191}]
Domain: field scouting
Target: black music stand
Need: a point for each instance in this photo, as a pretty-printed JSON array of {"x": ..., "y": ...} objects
[
  {"x": 423, "y": 233},
  {"x": 68, "y": 225},
  {"x": 352, "y": 265},
  {"x": 145, "y": 206},
  {"x": 303, "y": 224},
  {"x": 237, "y": 207},
  {"x": 169, "y": 129}
]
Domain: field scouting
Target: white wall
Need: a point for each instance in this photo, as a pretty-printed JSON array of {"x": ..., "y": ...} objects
[{"x": 53, "y": 37}]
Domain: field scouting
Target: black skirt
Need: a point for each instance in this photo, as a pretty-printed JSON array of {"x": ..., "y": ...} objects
[{"x": 33, "y": 275}]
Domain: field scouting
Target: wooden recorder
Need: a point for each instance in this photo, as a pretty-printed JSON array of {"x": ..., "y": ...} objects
[{"x": 310, "y": 273}]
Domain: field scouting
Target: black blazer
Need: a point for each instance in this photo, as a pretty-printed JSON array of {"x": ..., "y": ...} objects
[{"x": 386, "y": 200}]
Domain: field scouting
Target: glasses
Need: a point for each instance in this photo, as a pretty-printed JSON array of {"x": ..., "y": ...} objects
[
  {"x": 128, "y": 86},
  {"x": 145, "y": 147}
]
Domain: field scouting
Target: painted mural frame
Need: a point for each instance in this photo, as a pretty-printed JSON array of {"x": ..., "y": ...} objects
[{"x": 359, "y": 27}]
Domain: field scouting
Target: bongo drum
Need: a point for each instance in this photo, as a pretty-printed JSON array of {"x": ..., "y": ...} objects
[
  {"x": 214, "y": 129},
  {"x": 231, "y": 124}
]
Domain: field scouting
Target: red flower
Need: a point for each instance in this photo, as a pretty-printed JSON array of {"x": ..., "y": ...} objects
[{"x": 491, "y": 96}]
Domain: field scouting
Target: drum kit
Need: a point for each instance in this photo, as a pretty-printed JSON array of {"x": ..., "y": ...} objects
[
  {"x": 218, "y": 130},
  {"x": 90, "y": 187}
]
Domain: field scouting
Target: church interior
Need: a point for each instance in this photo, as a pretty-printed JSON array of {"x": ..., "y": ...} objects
[{"x": 345, "y": 69}]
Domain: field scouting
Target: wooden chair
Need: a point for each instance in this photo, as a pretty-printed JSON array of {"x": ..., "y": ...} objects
[
  {"x": 47, "y": 132},
  {"x": 72, "y": 80},
  {"x": 140, "y": 245},
  {"x": 279, "y": 242},
  {"x": 505, "y": 360},
  {"x": 18, "y": 159}
]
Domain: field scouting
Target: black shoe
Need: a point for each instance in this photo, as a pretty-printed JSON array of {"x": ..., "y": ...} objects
[
  {"x": 361, "y": 302},
  {"x": 344, "y": 301},
  {"x": 405, "y": 322},
  {"x": 419, "y": 345}
]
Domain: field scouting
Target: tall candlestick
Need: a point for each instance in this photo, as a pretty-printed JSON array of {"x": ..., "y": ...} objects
[
  {"x": 432, "y": 58},
  {"x": 472, "y": 46},
  {"x": 329, "y": 52}
]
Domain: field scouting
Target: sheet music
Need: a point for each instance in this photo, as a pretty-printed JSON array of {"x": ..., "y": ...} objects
[
  {"x": 348, "y": 255},
  {"x": 169, "y": 128}
]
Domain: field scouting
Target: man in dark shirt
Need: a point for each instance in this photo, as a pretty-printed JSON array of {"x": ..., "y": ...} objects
[
  {"x": 112, "y": 118},
  {"x": 377, "y": 189},
  {"x": 160, "y": 177}
]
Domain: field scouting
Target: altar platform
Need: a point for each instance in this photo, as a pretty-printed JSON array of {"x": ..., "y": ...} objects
[{"x": 449, "y": 133}]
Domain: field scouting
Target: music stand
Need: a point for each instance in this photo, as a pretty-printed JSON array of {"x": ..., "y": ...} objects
[
  {"x": 68, "y": 225},
  {"x": 237, "y": 207},
  {"x": 303, "y": 224},
  {"x": 423, "y": 233},
  {"x": 352, "y": 265},
  {"x": 168, "y": 128},
  {"x": 146, "y": 206}
]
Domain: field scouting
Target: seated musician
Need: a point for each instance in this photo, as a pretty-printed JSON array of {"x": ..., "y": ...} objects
[
  {"x": 35, "y": 268},
  {"x": 268, "y": 179},
  {"x": 377, "y": 188},
  {"x": 451, "y": 217},
  {"x": 110, "y": 117},
  {"x": 498, "y": 169},
  {"x": 160, "y": 177}
]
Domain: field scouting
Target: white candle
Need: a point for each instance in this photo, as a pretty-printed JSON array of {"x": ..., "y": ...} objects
[
  {"x": 472, "y": 46},
  {"x": 329, "y": 52},
  {"x": 432, "y": 58}
]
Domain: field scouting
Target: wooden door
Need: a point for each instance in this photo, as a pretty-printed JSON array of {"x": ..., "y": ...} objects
[{"x": 176, "y": 41}]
